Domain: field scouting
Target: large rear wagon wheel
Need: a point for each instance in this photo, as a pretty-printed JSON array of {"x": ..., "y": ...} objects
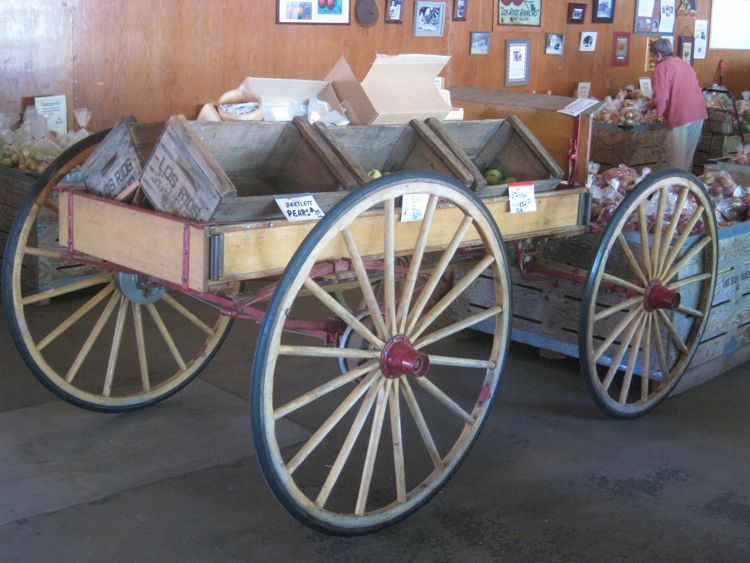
[
  {"x": 100, "y": 339},
  {"x": 649, "y": 293},
  {"x": 390, "y": 424}
]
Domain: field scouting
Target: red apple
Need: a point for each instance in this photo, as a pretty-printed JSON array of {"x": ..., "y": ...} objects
[
  {"x": 331, "y": 4},
  {"x": 322, "y": 3}
]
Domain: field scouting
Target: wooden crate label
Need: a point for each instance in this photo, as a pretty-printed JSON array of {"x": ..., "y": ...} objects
[{"x": 114, "y": 164}]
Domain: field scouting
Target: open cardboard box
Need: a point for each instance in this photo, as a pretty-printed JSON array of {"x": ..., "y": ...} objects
[
  {"x": 397, "y": 89},
  {"x": 280, "y": 95}
]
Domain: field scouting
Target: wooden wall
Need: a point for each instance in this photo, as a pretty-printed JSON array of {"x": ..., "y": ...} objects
[{"x": 155, "y": 58}]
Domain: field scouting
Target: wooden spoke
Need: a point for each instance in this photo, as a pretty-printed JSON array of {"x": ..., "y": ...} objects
[
  {"x": 326, "y": 352},
  {"x": 687, "y": 281},
  {"x": 324, "y": 389},
  {"x": 189, "y": 315},
  {"x": 646, "y": 359},
  {"x": 49, "y": 204},
  {"x": 451, "y": 296},
  {"x": 416, "y": 262},
  {"x": 627, "y": 304},
  {"x": 458, "y": 326},
  {"x": 645, "y": 253},
  {"x": 346, "y": 448},
  {"x": 658, "y": 225},
  {"x": 66, "y": 289},
  {"x": 437, "y": 273},
  {"x": 660, "y": 350},
  {"x": 109, "y": 376},
  {"x": 694, "y": 250},
  {"x": 43, "y": 252},
  {"x": 673, "y": 332},
  {"x": 364, "y": 283},
  {"x": 632, "y": 359},
  {"x": 75, "y": 317},
  {"x": 631, "y": 259},
  {"x": 168, "y": 340},
  {"x": 332, "y": 421},
  {"x": 140, "y": 342},
  {"x": 372, "y": 447},
  {"x": 389, "y": 279},
  {"x": 461, "y": 362},
  {"x": 622, "y": 283},
  {"x": 396, "y": 438},
  {"x": 615, "y": 365},
  {"x": 675, "y": 250},
  {"x": 444, "y": 399},
  {"x": 690, "y": 311},
  {"x": 424, "y": 431},
  {"x": 615, "y": 333},
  {"x": 669, "y": 235},
  {"x": 91, "y": 339},
  {"x": 345, "y": 315}
]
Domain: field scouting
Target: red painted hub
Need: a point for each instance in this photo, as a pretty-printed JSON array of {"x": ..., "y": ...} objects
[
  {"x": 657, "y": 296},
  {"x": 400, "y": 358}
]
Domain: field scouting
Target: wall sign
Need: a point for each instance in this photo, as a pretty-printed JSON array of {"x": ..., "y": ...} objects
[
  {"x": 517, "y": 61},
  {"x": 519, "y": 12},
  {"x": 654, "y": 18}
]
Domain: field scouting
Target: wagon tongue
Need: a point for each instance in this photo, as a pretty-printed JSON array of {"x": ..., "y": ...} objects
[
  {"x": 658, "y": 296},
  {"x": 399, "y": 358}
]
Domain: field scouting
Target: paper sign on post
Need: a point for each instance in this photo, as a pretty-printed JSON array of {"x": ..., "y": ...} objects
[
  {"x": 521, "y": 197},
  {"x": 413, "y": 207},
  {"x": 55, "y": 110},
  {"x": 301, "y": 208}
]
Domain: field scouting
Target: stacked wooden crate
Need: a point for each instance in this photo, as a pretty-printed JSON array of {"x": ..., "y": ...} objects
[
  {"x": 714, "y": 145},
  {"x": 636, "y": 146}
]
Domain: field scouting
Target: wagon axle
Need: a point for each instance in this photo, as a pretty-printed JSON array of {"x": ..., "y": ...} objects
[
  {"x": 399, "y": 357},
  {"x": 658, "y": 296}
]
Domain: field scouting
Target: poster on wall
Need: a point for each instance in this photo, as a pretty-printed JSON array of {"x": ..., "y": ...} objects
[
  {"x": 519, "y": 12},
  {"x": 654, "y": 17},
  {"x": 305, "y": 11},
  {"x": 701, "y": 39}
]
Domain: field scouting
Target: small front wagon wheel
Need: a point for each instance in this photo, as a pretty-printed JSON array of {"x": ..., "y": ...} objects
[
  {"x": 649, "y": 293},
  {"x": 391, "y": 424}
]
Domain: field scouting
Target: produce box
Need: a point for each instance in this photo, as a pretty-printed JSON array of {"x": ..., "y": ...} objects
[
  {"x": 636, "y": 146},
  {"x": 714, "y": 145},
  {"x": 14, "y": 186},
  {"x": 740, "y": 173},
  {"x": 721, "y": 121}
]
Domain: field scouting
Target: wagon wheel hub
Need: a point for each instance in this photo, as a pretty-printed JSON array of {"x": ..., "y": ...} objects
[
  {"x": 399, "y": 357},
  {"x": 658, "y": 296},
  {"x": 139, "y": 289}
]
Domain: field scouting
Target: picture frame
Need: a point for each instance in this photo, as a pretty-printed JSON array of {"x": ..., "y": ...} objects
[
  {"x": 307, "y": 12},
  {"x": 576, "y": 12},
  {"x": 459, "y": 10},
  {"x": 393, "y": 11},
  {"x": 526, "y": 13},
  {"x": 588, "y": 41},
  {"x": 686, "y": 8},
  {"x": 517, "y": 62},
  {"x": 620, "y": 48},
  {"x": 603, "y": 11},
  {"x": 654, "y": 18},
  {"x": 686, "y": 48},
  {"x": 479, "y": 43},
  {"x": 650, "y": 65},
  {"x": 554, "y": 43},
  {"x": 429, "y": 18}
]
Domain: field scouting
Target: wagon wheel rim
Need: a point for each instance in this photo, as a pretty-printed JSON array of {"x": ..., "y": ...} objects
[
  {"x": 395, "y": 376},
  {"x": 113, "y": 310},
  {"x": 646, "y": 304}
]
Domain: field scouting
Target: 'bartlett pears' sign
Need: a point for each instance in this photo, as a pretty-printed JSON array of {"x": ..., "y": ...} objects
[{"x": 519, "y": 12}]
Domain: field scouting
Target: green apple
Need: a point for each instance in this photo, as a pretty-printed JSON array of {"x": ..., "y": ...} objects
[
  {"x": 510, "y": 180},
  {"x": 493, "y": 176},
  {"x": 374, "y": 174}
]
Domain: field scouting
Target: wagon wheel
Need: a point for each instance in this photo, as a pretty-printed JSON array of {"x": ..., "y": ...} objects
[
  {"x": 390, "y": 430},
  {"x": 106, "y": 341},
  {"x": 645, "y": 304}
]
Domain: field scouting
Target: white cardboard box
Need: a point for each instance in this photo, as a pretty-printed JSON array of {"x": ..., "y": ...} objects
[{"x": 278, "y": 95}]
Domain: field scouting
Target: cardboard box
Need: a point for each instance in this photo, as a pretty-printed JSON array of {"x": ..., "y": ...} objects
[
  {"x": 396, "y": 89},
  {"x": 281, "y": 98}
]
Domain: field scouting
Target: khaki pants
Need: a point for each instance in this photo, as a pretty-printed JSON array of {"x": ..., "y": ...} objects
[{"x": 681, "y": 144}]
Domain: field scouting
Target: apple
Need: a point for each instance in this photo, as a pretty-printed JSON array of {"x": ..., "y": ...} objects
[
  {"x": 331, "y": 4},
  {"x": 374, "y": 174},
  {"x": 510, "y": 180},
  {"x": 322, "y": 3},
  {"x": 493, "y": 176}
]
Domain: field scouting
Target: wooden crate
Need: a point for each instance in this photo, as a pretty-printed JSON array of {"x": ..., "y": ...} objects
[
  {"x": 14, "y": 186},
  {"x": 720, "y": 121},
  {"x": 546, "y": 309},
  {"x": 712, "y": 146},
  {"x": 641, "y": 145},
  {"x": 740, "y": 173}
]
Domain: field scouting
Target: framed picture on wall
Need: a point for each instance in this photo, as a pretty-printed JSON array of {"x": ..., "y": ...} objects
[
  {"x": 321, "y": 12},
  {"x": 480, "y": 43},
  {"x": 603, "y": 11},
  {"x": 554, "y": 43},
  {"x": 588, "y": 41},
  {"x": 576, "y": 12},
  {"x": 515, "y": 12},
  {"x": 429, "y": 18},
  {"x": 517, "y": 61},
  {"x": 685, "y": 48},
  {"x": 650, "y": 65},
  {"x": 459, "y": 10},
  {"x": 620, "y": 48},
  {"x": 654, "y": 18},
  {"x": 393, "y": 11}
]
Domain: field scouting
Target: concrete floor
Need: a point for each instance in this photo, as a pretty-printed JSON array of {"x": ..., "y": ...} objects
[{"x": 550, "y": 479}]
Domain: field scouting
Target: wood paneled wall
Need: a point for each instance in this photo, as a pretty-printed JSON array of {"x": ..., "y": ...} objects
[{"x": 155, "y": 58}]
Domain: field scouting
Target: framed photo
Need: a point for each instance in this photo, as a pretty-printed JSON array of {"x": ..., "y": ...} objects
[
  {"x": 588, "y": 41},
  {"x": 517, "y": 61},
  {"x": 429, "y": 18},
  {"x": 686, "y": 8},
  {"x": 459, "y": 10},
  {"x": 306, "y": 11},
  {"x": 685, "y": 48},
  {"x": 576, "y": 12},
  {"x": 519, "y": 12},
  {"x": 603, "y": 11},
  {"x": 393, "y": 11},
  {"x": 554, "y": 43},
  {"x": 620, "y": 48},
  {"x": 654, "y": 18},
  {"x": 650, "y": 65},
  {"x": 480, "y": 43}
]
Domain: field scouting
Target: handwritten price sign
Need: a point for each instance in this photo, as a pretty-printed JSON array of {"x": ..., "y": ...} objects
[
  {"x": 413, "y": 207},
  {"x": 521, "y": 196},
  {"x": 302, "y": 208}
]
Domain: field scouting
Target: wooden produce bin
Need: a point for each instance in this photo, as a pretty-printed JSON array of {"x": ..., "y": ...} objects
[
  {"x": 636, "y": 146},
  {"x": 714, "y": 146},
  {"x": 14, "y": 186},
  {"x": 555, "y": 131},
  {"x": 740, "y": 173},
  {"x": 720, "y": 121}
]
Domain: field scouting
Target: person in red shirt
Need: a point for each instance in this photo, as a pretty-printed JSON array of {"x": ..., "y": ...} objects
[{"x": 679, "y": 99}]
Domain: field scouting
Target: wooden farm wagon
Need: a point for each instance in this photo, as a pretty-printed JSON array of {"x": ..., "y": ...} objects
[{"x": 177, "y": 230}]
